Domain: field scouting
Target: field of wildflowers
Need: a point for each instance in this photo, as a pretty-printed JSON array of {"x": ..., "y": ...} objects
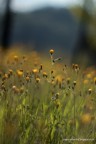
[{"x": 44, "y": 101}]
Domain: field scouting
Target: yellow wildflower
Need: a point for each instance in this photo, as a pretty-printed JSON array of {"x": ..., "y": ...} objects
[
  {"x": 86, "y": 118},
  {"x": 51, "y": 51},
  {"x": 35, "y": 71},
  {"x": 89, "y": 76},
  {"x": 85, "y": 81},
  {"x": 16, "y": 58},
  {"x": 19, "y": 73}
]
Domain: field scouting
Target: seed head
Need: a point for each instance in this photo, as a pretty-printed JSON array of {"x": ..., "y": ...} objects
[
  {"x": 6, "y": 76},
  {"x": 74, "y": 83},
  {"x": 14, "y": 87},
  {"x": 90, "y": 91},
  {"x": 11, "y": 71},
  {"x": 21, "y": 89},
  {"x": 76, "y": 66},
  {"x": 17, "y": 90},
  {"x": 27, "y": 78},
  {"x": 45, "y": 74},
  {"x": 37, "y": 80},
  {"x": 68, "y": 80},
  {"x": 73, "y": 66}
]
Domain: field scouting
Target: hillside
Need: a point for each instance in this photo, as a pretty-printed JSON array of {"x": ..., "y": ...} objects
[{"x": 45, "y": 28}]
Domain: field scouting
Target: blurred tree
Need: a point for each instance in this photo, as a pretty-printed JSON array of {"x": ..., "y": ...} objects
[
  {"x": 85, "y": 49},
  {"x": 7, "y": 23},
  {"x": 6, "y": 29}
]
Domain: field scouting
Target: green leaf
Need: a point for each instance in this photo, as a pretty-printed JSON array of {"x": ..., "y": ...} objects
[{"x": 53, "y": 132}]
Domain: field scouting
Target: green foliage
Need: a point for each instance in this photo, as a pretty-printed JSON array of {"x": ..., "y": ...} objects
[{"x": 44, "y": 104}]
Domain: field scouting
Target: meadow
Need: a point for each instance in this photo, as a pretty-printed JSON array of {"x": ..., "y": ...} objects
[{"x": 45, "y": 101}]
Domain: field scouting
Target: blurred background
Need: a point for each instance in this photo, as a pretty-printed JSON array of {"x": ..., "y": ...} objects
[{"x": 68, "y": 26}]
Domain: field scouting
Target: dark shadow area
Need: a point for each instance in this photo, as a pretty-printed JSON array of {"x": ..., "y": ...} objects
[
  {"x": 85, "y": 48},
  {"x": 6, "y": 26}
]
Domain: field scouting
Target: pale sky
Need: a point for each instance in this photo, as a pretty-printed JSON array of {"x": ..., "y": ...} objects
[{"x": 27, "y": 5}]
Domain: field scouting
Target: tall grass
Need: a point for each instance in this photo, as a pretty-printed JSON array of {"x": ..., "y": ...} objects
[{"x": 44, "y": 101}]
